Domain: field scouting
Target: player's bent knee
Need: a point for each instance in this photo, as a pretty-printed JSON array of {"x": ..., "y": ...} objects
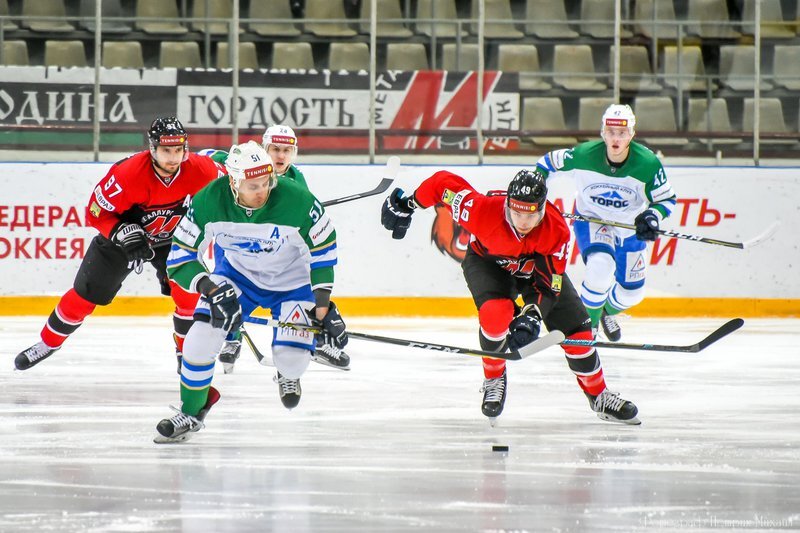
[
  {"x": 599, "y": 273},
  {"x": 202, "y": 343},
  {"x": 290, "y": 361},
  {"x": 185, "y": 302},
  {"x": 494, "y": 317},
  {"x": 579, "y": 351}
]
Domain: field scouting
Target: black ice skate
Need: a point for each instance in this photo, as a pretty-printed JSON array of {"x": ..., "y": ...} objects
[
  {"x": 33, "y": 356},
  {"x": 610, "y": 407},
  {"x": 229, "y": 354},
  {"x": 610, "y": 326},
  {"x": 179, "y": 357},
  {"x": 180, "y": 427},
  {"x": 329, "y": 355},
  {"x": 289, "y": 390},
  {"x": 494, "y": 397}
]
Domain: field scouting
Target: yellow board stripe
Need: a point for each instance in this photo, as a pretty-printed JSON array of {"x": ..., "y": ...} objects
[{"x": 429, "y": 306}]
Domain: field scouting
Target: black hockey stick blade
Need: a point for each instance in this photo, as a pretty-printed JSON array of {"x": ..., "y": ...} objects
[
  {"x": 546, "y": 341},
  {"x": 551, "y": 339},
  {"x": 392, "y": 168},
  {"x": 722, "y": 331}
]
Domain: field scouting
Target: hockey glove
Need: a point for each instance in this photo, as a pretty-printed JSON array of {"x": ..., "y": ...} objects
[
  {"x": 133, "y": 241},
  {"x": 333, "y": 328},
  {"x": 396, "y": 213},
  {"x": 224, "y": 306},
  {"x": 525, "y": 328},
  {"x": 646, "y": 225}
]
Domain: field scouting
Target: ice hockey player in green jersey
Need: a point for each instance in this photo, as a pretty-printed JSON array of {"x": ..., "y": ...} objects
[
  {"x": 621, "y": 181},
  {"x": 275, "y": 248},
  {"x": 280, "y": 142}
]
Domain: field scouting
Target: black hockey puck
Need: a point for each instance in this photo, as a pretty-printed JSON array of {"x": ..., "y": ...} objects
[{"x": 499, "y": 448}]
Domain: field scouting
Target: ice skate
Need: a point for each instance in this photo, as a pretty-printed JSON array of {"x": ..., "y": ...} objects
[
  {"x": 33, "y": 355},
  {"x": 289, "y": 390},
  {"x": 329, "y": 355},
  {"x": 180, "y": 427},
  {"x": 494, "y": 397},
  {"x": 610, "y": 326},
  {"x": 179, "y": 357},
  {"x": 610, "y": 407},
  {"x": 229, "y": 354}
]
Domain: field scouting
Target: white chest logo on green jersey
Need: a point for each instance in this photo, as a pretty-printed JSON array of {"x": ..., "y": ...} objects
[
  {"x": 249, "y": 245},
  {"x": 608, "y": 195}
]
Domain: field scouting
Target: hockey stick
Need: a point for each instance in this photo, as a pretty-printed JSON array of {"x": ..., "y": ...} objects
[
  {"x": 669, "y": 233},
  {"x": 726, "y": 329},
  {"x": 392, "y": 167},
  {"x": 551, "y": 339},
  {"x": 262, "y": 359}
]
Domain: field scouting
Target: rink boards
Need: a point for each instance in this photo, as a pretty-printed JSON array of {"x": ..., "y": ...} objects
[{"x": 43, "y": 233}]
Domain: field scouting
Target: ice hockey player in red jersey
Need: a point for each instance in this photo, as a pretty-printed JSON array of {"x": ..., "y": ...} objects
[
  {"x": 136, "y": 208},
  {"x": 518, "y": 249}
]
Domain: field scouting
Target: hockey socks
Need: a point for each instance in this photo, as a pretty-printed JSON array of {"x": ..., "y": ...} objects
[
  {"x": 67, "y": 317},
  {"x": 585, "y": 364},
  {"x": 594, "y": 315},
  {"x": 195, "y": 381}
]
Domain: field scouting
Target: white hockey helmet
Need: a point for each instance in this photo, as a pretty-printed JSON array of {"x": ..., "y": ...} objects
[
  {"x": 280, "y": 135},
  {"x": 249, "y": 161},
  {"x": 619, "y": 115}
]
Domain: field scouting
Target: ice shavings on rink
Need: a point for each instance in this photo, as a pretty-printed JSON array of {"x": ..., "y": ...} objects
[{"x": 399, "y": 443}]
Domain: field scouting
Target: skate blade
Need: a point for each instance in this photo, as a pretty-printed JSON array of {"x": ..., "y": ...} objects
[
  {"x": 632, "y": 422},
  {"x": 161, "y": 439},
  {"x": 493, "y": 421},
  {"x": 228, "y": 367},
  {"x": 325, "y": 362}
]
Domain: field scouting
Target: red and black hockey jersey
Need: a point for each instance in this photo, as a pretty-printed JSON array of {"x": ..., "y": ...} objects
[
  {"x": 540, "y": 255},
  {"x": 133, "y": 192}
]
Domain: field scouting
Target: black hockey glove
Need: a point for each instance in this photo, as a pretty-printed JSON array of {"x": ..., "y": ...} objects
[
  {"x": 396, "y": 213},
  {"x": 133, "y": 241},
  {"x": 646, "y": 225},
  {"x": 333, "y": 328},
  {"x": 524, "y": 329},
  {"x": 224, "y": 306}
]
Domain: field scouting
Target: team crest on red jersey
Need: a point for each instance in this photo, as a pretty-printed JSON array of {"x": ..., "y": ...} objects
[{"x": 450, "y": 238}]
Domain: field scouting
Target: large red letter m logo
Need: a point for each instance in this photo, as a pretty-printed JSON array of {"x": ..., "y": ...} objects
[
  {"x": 161, "y": 228},
  {"x": 428, "y": 107}
]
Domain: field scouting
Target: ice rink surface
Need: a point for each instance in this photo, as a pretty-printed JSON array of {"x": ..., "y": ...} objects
[{"x": 399, "y": 443}]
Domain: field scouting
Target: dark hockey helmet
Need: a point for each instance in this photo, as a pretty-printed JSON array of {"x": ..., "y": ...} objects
[
  {"x": 167, "y": 131},
  {"x": 527, "y": 191}
]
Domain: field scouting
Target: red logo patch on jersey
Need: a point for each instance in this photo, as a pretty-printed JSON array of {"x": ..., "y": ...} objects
[{"x": 449, "y": 237}]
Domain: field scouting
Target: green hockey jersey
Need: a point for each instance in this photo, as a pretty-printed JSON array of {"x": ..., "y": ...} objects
[
  {"x": 611, "y": 192},
  {"x": 285, "y": 244}
]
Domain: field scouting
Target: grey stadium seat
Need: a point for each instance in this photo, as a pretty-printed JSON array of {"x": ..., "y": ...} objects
[
  {"x": 248, "y": 56},
  {"x": 180, "y": 54},
  {"x": 64, "y": 54},
  {"x": 406, "y": 56},
  {"x": 292, "y": 56},
  {"x": 545, "y": 114},
  {"x": 124, "y": 54},
  {"x": 278, "y": 15}
]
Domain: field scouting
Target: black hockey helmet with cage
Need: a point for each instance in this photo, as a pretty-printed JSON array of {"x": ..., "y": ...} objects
[
  {"x": 167, "y": 131},
  {"x": 527, "y": 191}
]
